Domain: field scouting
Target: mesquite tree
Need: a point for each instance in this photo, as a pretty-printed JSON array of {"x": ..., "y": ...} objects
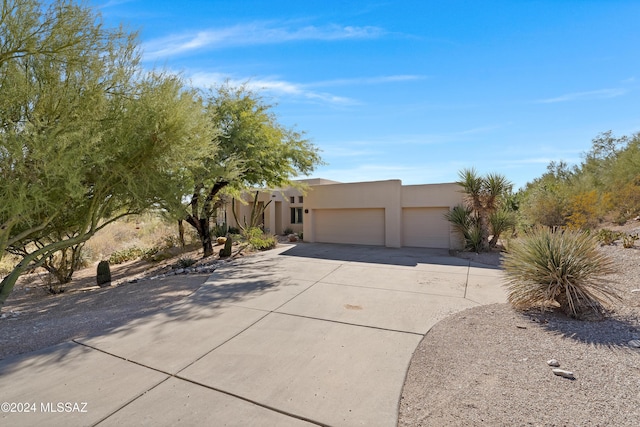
[
  {"x": 253, "y": 149},
  {"x": 85, "y": 136}
]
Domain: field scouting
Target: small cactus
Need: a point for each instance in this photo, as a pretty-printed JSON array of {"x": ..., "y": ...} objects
[
  {"x": 226, "y": 251},
  {"x": 103, "y": 275}
]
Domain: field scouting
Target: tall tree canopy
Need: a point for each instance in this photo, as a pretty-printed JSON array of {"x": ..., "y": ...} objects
[
  {"x": 85, "y": 136},
  {"x": 254, "y": 150}
]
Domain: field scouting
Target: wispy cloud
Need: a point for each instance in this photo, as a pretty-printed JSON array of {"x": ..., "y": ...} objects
[
  {"x": 274, "y": 86},
  {"x": 258, "y": 33},
  {"x": 367, "y": 80},
  {"x": 585, "y": 96},
  {"x": 113, "y": 3},
  {"x": 280, "y": 87}
]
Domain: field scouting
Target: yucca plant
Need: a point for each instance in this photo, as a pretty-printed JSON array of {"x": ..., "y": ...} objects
[
  {"x": 563, "y": 267},
  {"x": 466, "y": 223},
  {"x": 501, "y": 221}
]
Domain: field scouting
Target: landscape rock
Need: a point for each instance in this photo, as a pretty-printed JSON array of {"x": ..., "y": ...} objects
[
  {"x": 553, "y": 362},
  {"x": 562, "y": 373}
]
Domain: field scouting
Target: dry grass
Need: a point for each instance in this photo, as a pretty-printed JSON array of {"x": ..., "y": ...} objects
[{"x": 144, "y": 232}]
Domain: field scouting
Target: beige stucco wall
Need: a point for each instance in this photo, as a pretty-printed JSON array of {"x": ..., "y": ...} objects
[
  {"x": 444, "y": 196},
  {"x": 431, "y": 195},
  {"x": 376, "y": 194},
  {"x": 277, "y": 215},
  {"x": 390, "y": 195},
  {"x": 343, "y": 207}
]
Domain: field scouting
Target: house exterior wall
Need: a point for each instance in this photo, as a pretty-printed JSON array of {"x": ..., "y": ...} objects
[
  {"x": 384, "y": 195},
  {"x": 378, "y": 212}
]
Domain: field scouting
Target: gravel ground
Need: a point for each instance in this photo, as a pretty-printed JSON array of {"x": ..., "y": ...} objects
[
  {"x": 32, "y": 318},
  {"x": 487, "y": 366}
]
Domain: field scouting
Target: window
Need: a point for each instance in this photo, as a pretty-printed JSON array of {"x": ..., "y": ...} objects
[
  {"x": 300, "y": 199},
  {"x": 296, "y": 215},
  {"x": 292, "y": 199}
]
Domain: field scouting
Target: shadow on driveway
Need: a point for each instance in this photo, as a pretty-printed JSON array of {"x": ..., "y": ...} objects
[{"x": 408, "y": 257}]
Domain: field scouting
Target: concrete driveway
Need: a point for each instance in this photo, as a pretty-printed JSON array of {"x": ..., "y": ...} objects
[{"x": 308, "y": 334}]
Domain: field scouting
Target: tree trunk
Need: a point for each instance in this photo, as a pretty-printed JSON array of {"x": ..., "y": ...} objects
[
  {"x": 181, "y": 233},
  {"x": 205, "y": 236},
  {"x": 483, "y": 220}
]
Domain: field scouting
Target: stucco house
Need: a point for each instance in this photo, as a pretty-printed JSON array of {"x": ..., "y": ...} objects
[{"x": 384, "y": 213}]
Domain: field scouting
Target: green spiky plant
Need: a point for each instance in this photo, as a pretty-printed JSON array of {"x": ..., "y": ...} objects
[
  {"x": 564, "y": 267},
  {"x": 466, "y": 223}
]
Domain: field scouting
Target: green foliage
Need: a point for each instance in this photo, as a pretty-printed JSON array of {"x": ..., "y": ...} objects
[
  {"x": 220, "y": 230},
  {"x": 607, "y": 237},
  {"x": 484, "y": 197},
  {"x": 546, "y": 267},
  {"x": 128, "y": 254},
  {"x": 629, "y": 240},
  {"x": 255, "y": 216},
  {"x": 287, "y": 231},
  {"x": 103, "y": 274},
  {"x": 184, "y": 262},
  {"x": 259, "y": 240},
  {"x": 86, "y": 136},
  {"x": 605, "y": 184},
  {"x": 501, "y": 221},
  {"x": 154, "y": 253},
  {"x": 65, "y": 262},
  {"x": 253, "y": 149},
  {"x": 466, "y": 223}
]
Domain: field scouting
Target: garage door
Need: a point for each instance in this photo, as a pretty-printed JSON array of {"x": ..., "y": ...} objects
[
  {"x": 425, "y": 228},
  {"x": 357, "y": 226}
]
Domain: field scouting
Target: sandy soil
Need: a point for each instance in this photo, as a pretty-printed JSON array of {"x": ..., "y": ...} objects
[
  {"x": 33, "y": 318},
  {"x": 487, "y": 366}
]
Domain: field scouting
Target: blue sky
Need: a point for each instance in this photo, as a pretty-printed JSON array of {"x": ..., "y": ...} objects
[{"x": 413, "y": 90}]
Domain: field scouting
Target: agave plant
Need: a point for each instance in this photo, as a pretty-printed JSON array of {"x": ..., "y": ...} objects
[{"x": 563, "y": 267}]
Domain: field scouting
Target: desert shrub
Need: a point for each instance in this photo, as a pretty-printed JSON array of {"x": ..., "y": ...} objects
[
  {"x": 184, "y": 262},
  {"x": 606, "y": 236},
  {"x": 583, "y": 212},
  {"x": 288, "y": 231},
  {"x": 501, "y": 221},
  {"x": 544, "y": 267},
  {"x": 233, "y": 230},
  {"x": 627, "y": 200},
  {"x": 629, "y": 240},
  {"x": 128, "y": 254},
  {"x": 466, "y": 223},
  {"x": 259, "y": 240},
  {"x": 220, "y": 230},
  {"x": 63, "y": 263}
]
